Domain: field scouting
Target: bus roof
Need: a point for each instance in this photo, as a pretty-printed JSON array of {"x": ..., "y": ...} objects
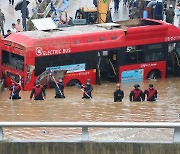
[{"x": 31, "y": 38}]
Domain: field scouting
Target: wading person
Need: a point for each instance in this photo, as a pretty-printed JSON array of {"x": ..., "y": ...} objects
[
  {"x": 151, "y": 93},
  {"x": 15, "y": 89},
  {"x": 59, "y": 88},
  {"x": 118, "y": 94},
  {"x": 136, "y": 94},
  {"x": 87, "y": 88},
  {"x": 38, "y": 91}
]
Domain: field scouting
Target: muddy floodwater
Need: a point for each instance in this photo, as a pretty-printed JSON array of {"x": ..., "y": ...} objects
[{"x": 100, "y": 109}]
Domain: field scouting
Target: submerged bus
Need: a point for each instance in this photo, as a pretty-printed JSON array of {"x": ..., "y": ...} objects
[{"x": 125, "y": 51}]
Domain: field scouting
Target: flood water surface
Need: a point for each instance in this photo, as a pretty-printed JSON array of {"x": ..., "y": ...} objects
[{"x": 100, "y": 109}]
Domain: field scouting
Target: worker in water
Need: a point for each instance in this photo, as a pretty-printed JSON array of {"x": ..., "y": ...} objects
[
  {"x": 151, "y": 93},
  {"x": 15, "y": 89},
  {"x": 59, "y": 88},
  {"x": 38, "y": 91},
  {"x": 118, "y": 94},
  {"x": 87, "y": 88},
  {"x": 136, "y": 94}
]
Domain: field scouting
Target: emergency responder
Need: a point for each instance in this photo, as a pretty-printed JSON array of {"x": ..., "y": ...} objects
[
  {"x": 87, "y": 88},
  {"x": 170, "y": 14},
  {"x": 136, "y": 94},
  {"x": 59, "y": 88},
  {"x": 38, "y": 91},
  {"x": 151, "y": 93},
  {"x": 15, "y": 89},
  {"x": 118, "y": 94}
]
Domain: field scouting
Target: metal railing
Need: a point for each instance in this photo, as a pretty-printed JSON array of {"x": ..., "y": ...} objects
[{"x": 86, "y": 125}]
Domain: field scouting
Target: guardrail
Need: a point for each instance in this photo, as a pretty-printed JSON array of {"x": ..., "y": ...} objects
[{"x": 86, "y": 125}]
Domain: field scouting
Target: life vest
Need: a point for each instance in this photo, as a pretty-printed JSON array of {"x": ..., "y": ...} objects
[
  {"x": 136, "y": 94},
  {"x": 151, "y": 93},
  {"x": 38, "y": 90},
  {"x": 16, "y": 87}
]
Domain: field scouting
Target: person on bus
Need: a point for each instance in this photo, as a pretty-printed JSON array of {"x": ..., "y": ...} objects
[
  {"x": 136, "y": 94},
  {"x": 87, "y": 88},
  {"x": 38, "y": 91},
  {"x": 59, "y": 88},
  {"x": 151, "y": 93},
  {"x": 118, "y": 94},
  {"x": 15, "y": 89}
]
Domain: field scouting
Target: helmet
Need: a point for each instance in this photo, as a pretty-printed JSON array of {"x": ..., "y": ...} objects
[
  {"x": 88, "y": 80},
  {"x": 170, "y": 6},
  {"x": 37, "y": 82},
  {"x": 150, "y": 85},
  {"x": 136, "y": 85}
]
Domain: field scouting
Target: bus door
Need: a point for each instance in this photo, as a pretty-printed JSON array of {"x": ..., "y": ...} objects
[
  {"x": 107, "y": 65},
  {"x": 177, "y": 59}
]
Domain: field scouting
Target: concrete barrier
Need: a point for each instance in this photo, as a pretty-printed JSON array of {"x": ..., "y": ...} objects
[{"x": 87, "y": 148}]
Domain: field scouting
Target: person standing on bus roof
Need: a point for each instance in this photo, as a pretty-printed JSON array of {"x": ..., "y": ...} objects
[
  {"x": 151, "y": 93},
  {"x": 59, "y": 88},
  {"x": 87, "y": 88},
  {"x": 15, "y": 89},
  {"x": 38, "y": 91},
  {"x": 118, "y": 94},
  {"x": 136, "y": 94}
]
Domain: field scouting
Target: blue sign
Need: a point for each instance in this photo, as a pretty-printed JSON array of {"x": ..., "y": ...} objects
[
  {"x": 132, "y": 75},
  {"x": 69, "y": 68}
]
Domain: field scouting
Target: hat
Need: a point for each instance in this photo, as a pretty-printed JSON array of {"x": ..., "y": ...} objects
[
  {"x": 170, "y": 6},
  {"x": 136, "y": 85},
  {"x": 151, "y": 85},
  {"x": 88, "y": 80},
  {"x": 61, "y": 78}
]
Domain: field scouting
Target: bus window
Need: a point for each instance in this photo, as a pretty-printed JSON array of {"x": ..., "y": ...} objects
[
  {"x": 12, "y": 60},
  {"x": 154, "y": 53},
  {"x": 134, "y": 54},
  {"x": 89, "y": 58},
  {"x": 178, "y": 48}
]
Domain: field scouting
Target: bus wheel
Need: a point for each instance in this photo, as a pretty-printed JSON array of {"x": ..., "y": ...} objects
[
  {"x": 73, "y": 82},
  {"x": 155, "y": 74}
]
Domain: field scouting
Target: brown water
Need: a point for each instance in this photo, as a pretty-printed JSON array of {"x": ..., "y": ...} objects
[{"x": 100, "y": 108}]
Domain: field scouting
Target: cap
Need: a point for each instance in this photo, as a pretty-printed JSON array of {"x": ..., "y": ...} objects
[
  {"x": 88, "y": 80},
  {"x": 170, "y": 5},
  {"x": 61, "y": 78},
  {"x": 136, "y": 85},
  {"x": 151, "y": 85},
  {"x": 118, "y": 85}
]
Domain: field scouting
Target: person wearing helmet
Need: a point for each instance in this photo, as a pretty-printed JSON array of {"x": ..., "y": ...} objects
[
  {"x": 151, "y": 93},
  {"x": 170, "y": 14},
  {"x": 38, "y": 91},
  {"x": 87, "y": 88},
  {"x": 136, "y": 94},
  {"x": 15, "y": 89},
  {"x": 118, "y": 93},
  {"x": 59, "y": 88}
]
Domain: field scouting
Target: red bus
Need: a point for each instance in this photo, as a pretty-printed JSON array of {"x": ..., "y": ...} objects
[{"x": 126, "y": 51}]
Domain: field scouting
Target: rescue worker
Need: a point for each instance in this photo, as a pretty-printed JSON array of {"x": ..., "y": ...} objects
[
  {"x": 87, "y": 88},
  {"x": 38, "y": 91},
  {"x": 59, "y": 88},
  {"x": 151, "y": 93},
  {"x": 118, "y": 94},
  {"x": 15, "y": 89},
  {"x": 136, "y": 94}
]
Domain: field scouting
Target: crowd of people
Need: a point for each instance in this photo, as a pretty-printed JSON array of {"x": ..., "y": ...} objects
[
  {"x": 39, "y": 91},
  {"x": 16, "y": 27}
]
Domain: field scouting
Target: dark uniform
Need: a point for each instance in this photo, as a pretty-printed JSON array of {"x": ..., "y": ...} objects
[
  {"x": 136, "y": 94},
  {"x": 118, "y": 94},
  {"x": 38, "y": 91},
  {"x": 59, "y": 89},
  {"x": 151, "y": 93},
  {"x": 15, "y": 89},
  {"x": 87, "y": 88},
  {"x": 170, "y": 15}
]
